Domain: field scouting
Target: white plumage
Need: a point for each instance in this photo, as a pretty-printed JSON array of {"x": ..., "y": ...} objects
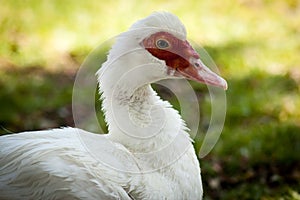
[{"x": 147, "y": 153}]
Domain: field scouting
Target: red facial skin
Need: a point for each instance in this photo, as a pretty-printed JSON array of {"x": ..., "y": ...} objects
[{"x": 178, "y": 53}]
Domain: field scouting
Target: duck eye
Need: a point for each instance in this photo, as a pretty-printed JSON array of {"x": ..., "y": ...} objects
[{"x": 162, "y": 44}]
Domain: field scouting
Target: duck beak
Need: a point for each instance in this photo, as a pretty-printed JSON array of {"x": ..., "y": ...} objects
[{"x": 197, "y": 71}]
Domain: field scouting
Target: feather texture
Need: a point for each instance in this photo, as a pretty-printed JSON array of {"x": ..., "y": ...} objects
[{"x": 147, "y": 153}]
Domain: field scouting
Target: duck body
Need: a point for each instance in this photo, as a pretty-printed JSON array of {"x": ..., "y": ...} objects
[
  {"x": 56, "y": 164},
  {"x": 147, "y": 153}
]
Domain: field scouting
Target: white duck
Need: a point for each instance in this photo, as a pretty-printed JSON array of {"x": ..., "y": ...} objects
[{"x": 147, "y": 153}]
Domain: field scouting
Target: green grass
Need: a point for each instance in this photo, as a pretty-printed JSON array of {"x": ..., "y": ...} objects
[
  {"x": 255, "y": 44},
  {"x": 31, "y": 98}
]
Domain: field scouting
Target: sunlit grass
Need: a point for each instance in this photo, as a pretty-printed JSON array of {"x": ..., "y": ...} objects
[{"x": 254, "y": 34}]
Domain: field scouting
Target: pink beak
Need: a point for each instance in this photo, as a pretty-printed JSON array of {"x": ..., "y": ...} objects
[{"x": 197, "y": 71}]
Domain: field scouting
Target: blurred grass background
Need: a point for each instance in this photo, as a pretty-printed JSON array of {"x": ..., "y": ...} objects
[{"x": 255, "y": 44}]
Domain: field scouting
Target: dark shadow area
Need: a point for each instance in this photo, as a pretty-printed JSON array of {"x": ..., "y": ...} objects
[{"x": 32, "y": 99}]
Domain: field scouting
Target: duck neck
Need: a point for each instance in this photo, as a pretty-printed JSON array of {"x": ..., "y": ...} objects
[
  {"x": 135, "y": 114},
  {"x": 138, "y": 118}
]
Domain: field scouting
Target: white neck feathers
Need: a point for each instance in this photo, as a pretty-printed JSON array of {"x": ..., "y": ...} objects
[{"x": 136, "y": 116}]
